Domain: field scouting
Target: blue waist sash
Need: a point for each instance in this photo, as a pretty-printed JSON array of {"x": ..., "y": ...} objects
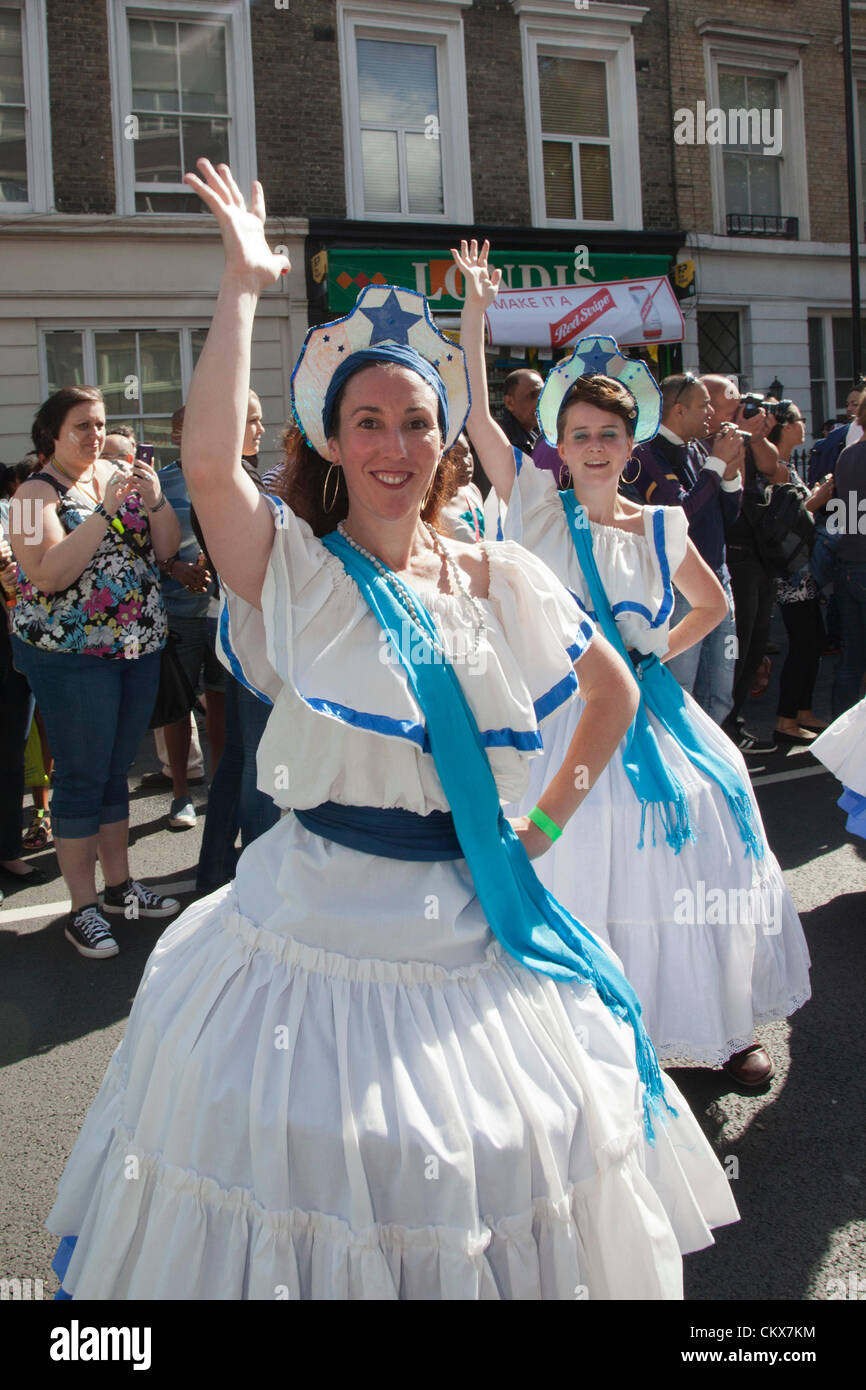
[
  {"x": 527, "y": 921},
  {"x": 391, "y": 833},
  {"x": 657, "y": 788}
]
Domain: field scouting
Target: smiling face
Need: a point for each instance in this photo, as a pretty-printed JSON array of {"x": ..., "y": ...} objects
[
  {"x": 82, "y": 435},
  {"x": 596, "y": 446},
  {"x": 387, "y": 442}
]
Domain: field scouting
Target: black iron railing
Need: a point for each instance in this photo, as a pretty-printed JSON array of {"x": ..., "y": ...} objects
[{"x": 763, "y": 224}]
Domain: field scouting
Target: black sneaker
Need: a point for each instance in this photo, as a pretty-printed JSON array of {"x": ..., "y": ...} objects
[
  {"x": 88, "y": 931},
  {"x": 132, "y": 900},
  {"x": 750, "y": 745}
]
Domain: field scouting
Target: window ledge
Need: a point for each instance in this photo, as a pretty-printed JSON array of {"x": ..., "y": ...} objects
[{"x": 135, "y": 224}]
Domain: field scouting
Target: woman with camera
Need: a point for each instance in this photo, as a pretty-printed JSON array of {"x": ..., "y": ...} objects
[
  {"x": 798, "y": 596},
  {"x": 87, "y": 632}
]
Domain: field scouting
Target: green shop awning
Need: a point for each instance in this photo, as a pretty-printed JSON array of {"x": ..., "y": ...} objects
[{"x": 434, "y": 273}]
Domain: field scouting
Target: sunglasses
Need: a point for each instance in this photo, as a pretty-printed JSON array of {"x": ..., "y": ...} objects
[{"x": 689, "y": 379}]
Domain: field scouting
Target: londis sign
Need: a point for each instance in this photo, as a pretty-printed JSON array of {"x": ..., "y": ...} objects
[{"x": 435, "y": 274}]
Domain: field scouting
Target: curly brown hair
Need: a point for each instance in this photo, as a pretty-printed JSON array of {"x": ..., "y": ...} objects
[
  {"x": 301, "y": 480},
  {"x": 605, "y": 393}
]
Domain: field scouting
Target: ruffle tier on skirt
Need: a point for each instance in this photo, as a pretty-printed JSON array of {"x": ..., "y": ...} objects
[
  {"x": 285, "y": 1121},
  {"x": 709, "y": 938}
]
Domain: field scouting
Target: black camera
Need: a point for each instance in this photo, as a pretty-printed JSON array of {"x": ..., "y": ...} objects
[{"x": 752, "y": 404}]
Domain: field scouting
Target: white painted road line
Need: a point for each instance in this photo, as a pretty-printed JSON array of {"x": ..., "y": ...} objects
[
  {"x": 789, "y": 776},
  {"x": 32, "y": 914}
]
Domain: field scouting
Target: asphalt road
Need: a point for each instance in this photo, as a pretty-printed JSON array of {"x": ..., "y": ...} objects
[{"x": 794, "y": 1154}]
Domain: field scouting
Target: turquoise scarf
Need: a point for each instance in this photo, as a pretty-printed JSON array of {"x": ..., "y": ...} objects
[
  {"x": 655, "y": 785},
  {"x": 526, "y": 920}
]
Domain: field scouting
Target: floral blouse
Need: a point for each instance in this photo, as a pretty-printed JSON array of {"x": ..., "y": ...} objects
[{"x": 114, "y": 608}]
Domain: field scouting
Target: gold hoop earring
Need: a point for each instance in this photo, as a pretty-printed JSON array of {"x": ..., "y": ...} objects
[
  {"x": 564, "y": 477},
  {"x": 630, "y": 481},
  {"x": 325, "y": 507},
  {"x": 429, "y": 492}
]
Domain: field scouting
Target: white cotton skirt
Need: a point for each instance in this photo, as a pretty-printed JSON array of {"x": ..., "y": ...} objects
[
  {"x": 709, "y": 938},
  {"x": 335, "y": 1085},
  {"x": 842, "y": 748}
]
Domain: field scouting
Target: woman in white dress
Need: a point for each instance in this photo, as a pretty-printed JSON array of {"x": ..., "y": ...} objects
[
  {"x": 666, "y": 859},
  {"x": 335, "y": 1082},
  {"x": 842, "y": 749}
]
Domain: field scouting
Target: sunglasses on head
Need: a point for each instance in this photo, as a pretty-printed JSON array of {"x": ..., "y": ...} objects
[{"x": 689, "y": 379}]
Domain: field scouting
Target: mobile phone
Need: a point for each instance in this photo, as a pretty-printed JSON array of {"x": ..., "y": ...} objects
[{"x": 144, "y": 452}]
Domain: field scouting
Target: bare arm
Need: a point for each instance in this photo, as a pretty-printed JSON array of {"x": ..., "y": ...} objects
[
  {"x": 51, "y": 558},
  {"x": 611, "y": 695},
  {"x": 235, "y": 518},
  {"x": 696, "y": 581},
  {"x": 493, "y": 447}
]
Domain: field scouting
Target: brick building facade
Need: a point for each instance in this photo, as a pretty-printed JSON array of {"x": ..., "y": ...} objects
[{"x": 382, "y": 132}]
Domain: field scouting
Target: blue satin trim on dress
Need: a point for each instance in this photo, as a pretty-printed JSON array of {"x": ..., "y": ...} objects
[
  {"x": 655, "y": 785},
  {"x": 855, "y": 805},
  {"x": 667, "y": 603},
  {"x": 236, "y": 669},
  {"x": 389, "y": 832},
  {"x": 60, "y": 1264}
]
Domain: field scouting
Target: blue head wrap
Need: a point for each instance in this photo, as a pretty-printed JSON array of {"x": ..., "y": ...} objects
[{"x": 386, "y": 352}]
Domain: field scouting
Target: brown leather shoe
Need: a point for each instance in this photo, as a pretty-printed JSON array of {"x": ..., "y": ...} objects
[{"x": 751, "y": 1067}]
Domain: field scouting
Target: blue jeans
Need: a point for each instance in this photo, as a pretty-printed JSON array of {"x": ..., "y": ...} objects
[
  {"x": 706, "y": 670},
  {"x": 849, "y": 587},
  {"x": 234, "y": 801},
  {"x": 96, "y": 710}
]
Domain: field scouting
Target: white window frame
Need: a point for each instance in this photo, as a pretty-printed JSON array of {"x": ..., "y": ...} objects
[
  {"x": 785, "y": 65},
  {"x": 234, "y": 15},
  {"x": 438, "y": 23},
  {"x": 182, "y": 326},
  {"x": 37, "y": 128},
  {"x": 604, "y": 32}
]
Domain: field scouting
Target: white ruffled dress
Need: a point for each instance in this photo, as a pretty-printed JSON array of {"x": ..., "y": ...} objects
[
  {"x": 842, "y": 748},
  {"x": 709, "y": 938},
  {"x": 334, "y": 1083}
]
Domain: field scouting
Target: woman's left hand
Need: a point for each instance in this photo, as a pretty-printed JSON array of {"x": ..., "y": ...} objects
[
  {"x": 146, "y": 482},
  {"x": 531, "y": 836}
]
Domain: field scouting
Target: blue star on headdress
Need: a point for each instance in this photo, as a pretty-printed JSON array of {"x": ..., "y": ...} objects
[
  {"x": 390, "y": 322},
  {"x": 596, "y": 361}
]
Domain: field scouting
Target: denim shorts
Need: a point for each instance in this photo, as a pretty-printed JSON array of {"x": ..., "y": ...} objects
[
  {"x": 96, "y": 710},
  {"x": 196, "y": 650}
]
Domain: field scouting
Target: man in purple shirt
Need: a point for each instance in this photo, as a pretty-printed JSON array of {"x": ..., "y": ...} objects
[{"x": 676, "y": 470}]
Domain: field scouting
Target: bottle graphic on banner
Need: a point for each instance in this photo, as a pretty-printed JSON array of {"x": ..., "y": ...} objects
[{"x": 652, "y": 324}]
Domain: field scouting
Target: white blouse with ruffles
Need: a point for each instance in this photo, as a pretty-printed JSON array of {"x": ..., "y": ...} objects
[
  {"x": 636, "y": 569},
  {"x": 345, "y": 725}
]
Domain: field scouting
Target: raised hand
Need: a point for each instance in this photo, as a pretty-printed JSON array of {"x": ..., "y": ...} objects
[
  {"x": 248, "y": 256},
  {"x": 482, "y": 283}
]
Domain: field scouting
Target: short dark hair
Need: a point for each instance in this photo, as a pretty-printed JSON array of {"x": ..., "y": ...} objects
[
  {"x": 51, "y": 414},
  {"x": 513, "y": 379},
  {"x": 14, "y": 473},
  {"x": 126, "y": 430},
  {"x": 673, "y": 388}
]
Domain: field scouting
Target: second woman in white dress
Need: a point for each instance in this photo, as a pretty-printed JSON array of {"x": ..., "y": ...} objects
[{"x": 683, "y": 887}]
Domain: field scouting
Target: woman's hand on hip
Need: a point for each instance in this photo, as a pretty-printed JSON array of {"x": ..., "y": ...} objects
[{"x": 249, "y": 259}]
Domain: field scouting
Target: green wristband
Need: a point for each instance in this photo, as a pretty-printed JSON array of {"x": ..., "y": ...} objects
[{"x": 550, "y": 828}]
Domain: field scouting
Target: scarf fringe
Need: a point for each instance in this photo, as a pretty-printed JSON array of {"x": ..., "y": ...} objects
[
  {"x": 740, "y": 806},
  {"x": 675, "y": 819}
]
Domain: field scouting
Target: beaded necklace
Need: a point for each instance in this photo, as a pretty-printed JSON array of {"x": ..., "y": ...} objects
[{"x": 458, "y": 584}]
